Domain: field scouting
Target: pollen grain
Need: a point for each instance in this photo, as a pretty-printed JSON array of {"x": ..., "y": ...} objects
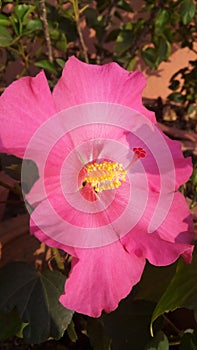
[{"x": 106, "y": 175}]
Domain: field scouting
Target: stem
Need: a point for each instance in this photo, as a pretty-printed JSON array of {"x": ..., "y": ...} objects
[
  {"x": 9, "y": 201},
  {"x": 174, "y": 343},
  {"x": 25, "y": 59},
  {"x": 46, "y": 29},
  {"x": 19, "y": 51},
  {"x": 79, "y": 31},
  {"x": 82, "y": 42},
  {"x": 178, "y": 331},
  {"x": 15, "y": 190}
]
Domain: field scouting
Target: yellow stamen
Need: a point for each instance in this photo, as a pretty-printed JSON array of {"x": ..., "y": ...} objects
[{"x": 105, "y": 175}]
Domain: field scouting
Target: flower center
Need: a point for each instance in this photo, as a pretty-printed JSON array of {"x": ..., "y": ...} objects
[
  {"x": 108, "y": 175},
  {"x": 104, "y": 176}
]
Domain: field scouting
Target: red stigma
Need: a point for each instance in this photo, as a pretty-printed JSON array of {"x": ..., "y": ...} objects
[{"x": 139, "y": 152}]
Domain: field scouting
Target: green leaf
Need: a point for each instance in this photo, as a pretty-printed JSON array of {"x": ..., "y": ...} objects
[
  {"x": 22, "y": 11},
  {"x": 112, "y": 35},
  {"x": 72, "y": 332},
  {"x": 162, "y": 18},
  {"x": 149, "y": 56},
  {"x": 194, "y": 176},
  {"x": 163, "y": 50},
  {"x": 20, "y": 18},
  {"x": 10, "y": 324},
  {"x": 54, "y": 33},
  {"x": 191, "y": 109},
  {"x": 30, "y": 174},
  {"x": 123, "y": 41},
  {"x": 5, "y": 37},
  {"x": 4, "y": 21},
  {"x": 98, "y": 339},
  {"x": 60, "y": 62},
  {"x": 176, "y": 97},
  {"x": 123, "y": 5},
  {"x": 160, "y": 342},
  {"x": 189, "y": 340},
  {"x": 131, "y": 64},
  {"x": 181, "y": 292},
  {"x": 19, "y": 334},
  {"x": 36, "y": 298},
  {"x": 150, "y": 287},
  {"x": 46, "y": 65},
  {"x": 91, "y": 17},
  {"x": 33, "y": 24},
  {"x": 128, "y": 325},
  {"x": 61, "y": 42},
  {"x": 188, "y": 10},
  {"x": 103, "y": 4},
  {"x": 174, "y": 84}
]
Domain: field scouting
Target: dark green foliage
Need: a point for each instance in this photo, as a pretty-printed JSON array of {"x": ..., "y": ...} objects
[
  {"x": 160, "y": 342},
  {"x": 181, "y": 292},
  {"x": 35, "y": 298},
  {"x": 128, "y": 326},
  {"x": 189, "y": 340},
  {"x": 184, "y": 86},
  {"x": 10, "y": 324}
]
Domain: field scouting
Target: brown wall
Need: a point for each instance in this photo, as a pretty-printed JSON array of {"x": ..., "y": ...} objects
[{"x": 157, "y": 83}]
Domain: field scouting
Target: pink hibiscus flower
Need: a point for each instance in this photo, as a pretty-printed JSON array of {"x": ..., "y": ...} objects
[{"x": 108, "y": 178}]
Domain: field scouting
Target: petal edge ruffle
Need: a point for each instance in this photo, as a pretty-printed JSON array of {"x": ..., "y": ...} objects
[
  {"x": 101, "y": 278},
  {"x": 24, "y": 106},
  {"x": 108, "y": 83}
]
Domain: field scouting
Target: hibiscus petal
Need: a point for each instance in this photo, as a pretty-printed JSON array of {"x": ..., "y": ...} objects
[
  {"x": 24, "y": 106},
  {"x": 100, "y": 281},
  {"x": 108, "y": 83},
  {"x": 169, "y": 241},
  {"x": 157, "y": 155},
  {"x": 183, "y": 166}
]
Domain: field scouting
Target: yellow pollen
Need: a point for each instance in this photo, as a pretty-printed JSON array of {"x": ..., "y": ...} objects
[{"x": 105, "y": 175}]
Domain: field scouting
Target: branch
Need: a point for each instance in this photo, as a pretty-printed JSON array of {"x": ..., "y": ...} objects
[
  {"x": 82, "y": 42},
  {"x": 46, "y": 29},
  {"x": 76, "y": 17},
  {"x": 178, "y": 133}
]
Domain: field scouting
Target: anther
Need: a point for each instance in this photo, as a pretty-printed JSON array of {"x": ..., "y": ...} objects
[{"x": 104, "y": 176}]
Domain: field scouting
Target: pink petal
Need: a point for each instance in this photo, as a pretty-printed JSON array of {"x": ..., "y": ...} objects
[
  {"x": 24, "y": 106},
  {"x": 183, "y": 166},
  {"x": 157, "y": 155},
  {"x": 55, "y": 219},
  {"x": 58, "y": 140},
  {"x": 81, "y": 83},
  {"x": 100, "y": 279},
  {"x": 172, "y": 239}
]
